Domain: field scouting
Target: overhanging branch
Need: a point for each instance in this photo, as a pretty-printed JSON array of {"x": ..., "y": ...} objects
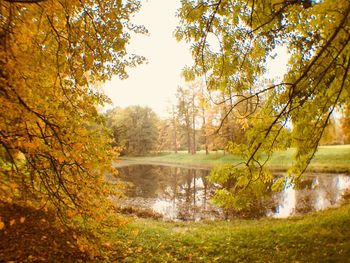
[{"x": 25, "y": 1}]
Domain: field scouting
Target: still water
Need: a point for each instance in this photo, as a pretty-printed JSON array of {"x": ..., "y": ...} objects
[{"x": 179, "y": 193}]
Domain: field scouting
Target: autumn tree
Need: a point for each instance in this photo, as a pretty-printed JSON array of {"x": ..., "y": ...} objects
[
  {"x": 332, "y": 133},
  {"x": 316, "y": 34},
  {"x": 345, "y": 125},
  {"x": 206, "y": 117},
  {"x": 169, "y": 131},
  {"x": 231, "y": 125},
  {"x": 203, "y": 105},
  {"x": 175, "y": 129},
  {"x": 169, "y": 134},
  {"x": 54, "y": 149},
  {"x": 165, "y": 141}
]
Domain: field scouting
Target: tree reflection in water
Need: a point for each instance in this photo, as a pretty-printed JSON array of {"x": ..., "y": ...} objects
[{"x": 184, "y": 194}]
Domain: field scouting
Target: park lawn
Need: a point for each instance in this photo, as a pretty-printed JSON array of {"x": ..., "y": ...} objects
[
  {"x": 318, "y": 237},
  {"x": 327, "y": 159}
]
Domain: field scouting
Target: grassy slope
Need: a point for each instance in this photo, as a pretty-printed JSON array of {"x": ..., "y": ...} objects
[
  {"x": 328, "y": 159},
  {"x": 319, "y": 237}
]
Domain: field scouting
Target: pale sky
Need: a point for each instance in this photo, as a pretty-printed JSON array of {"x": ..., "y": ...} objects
[{"x": 154, "y": 84}]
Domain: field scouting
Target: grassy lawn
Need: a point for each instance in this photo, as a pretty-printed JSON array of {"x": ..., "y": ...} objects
[
  {"x": 328, "y": 159},
  {"x": 319, "y": 237}
]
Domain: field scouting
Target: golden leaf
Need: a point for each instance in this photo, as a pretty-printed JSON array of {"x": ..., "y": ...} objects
[
  {"x": 2, "y": 225},
  {"x": 135, "y": 232}
]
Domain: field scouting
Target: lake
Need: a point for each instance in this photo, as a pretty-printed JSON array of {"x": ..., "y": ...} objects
[{"x": 181, "y": 194}]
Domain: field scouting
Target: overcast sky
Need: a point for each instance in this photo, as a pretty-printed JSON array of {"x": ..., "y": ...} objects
[{"x": 154, "y": 84}]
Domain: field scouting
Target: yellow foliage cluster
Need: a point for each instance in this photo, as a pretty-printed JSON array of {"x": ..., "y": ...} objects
[{"x": 54, "y": 149}]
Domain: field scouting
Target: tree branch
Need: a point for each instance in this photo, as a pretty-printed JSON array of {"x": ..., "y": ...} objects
[{"x": 25, "y": 1}]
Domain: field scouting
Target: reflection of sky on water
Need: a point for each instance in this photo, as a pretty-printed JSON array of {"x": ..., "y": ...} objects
[
  {"x": 343, "y": 183},
  {"x": 165, "y": 207},
  {"x": 325, "y": 191},
  {"x": 287, "y": 202}
]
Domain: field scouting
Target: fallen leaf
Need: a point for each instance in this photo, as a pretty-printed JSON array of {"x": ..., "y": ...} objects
[
  {"x": 12, "y": 222},
  {"x": 2, "y": 225},
  {"x": 135, "y": 232}
]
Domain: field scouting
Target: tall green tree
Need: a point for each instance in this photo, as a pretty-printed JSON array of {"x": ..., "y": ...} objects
[
  {"x": 316, "y": 34},
  {"x": 186, "y": 112},
  {"x": 135, "y": 129}
]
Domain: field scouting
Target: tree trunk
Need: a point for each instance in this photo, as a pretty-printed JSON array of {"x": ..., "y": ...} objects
[
  {"x": 189, "y": 144},
  {"x": 193, "y": 126},
  {"x": 204, "y": 126},
  {"x": 174, "y": 124}
]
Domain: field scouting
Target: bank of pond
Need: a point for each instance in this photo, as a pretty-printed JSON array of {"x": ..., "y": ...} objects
[
  {"x": 323, "y": 236},
  {"x": 328, "y": 159},
  {"x": 176, "y": 193}
]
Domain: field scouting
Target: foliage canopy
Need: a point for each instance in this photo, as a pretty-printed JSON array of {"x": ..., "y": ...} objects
[
  {"x": 54, "y": 149},
  {"x": 317, "y": 35}
]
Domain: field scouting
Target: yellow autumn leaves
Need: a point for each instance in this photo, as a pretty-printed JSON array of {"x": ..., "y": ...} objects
[
  {"x": 54, "y": 148},
  {"x": 11, "y": 222}
]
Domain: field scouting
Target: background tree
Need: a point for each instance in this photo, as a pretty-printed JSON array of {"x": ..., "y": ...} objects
[
  {"x": 332, "y": 133},
  {"x": 165, "y": 137},
  {"x": 135, "y": 129},
  {"x": 116, "y": 120},
  {"x": 345, "y": 125},
  {"x": 187, "y": 115},
  {"x": 169, "y": 134},
  {"x": 174, "y": 125},
  {"x": 203, "y": 105},
  {"x": 317, "y": 80},
  {"x": 221, "y": 125}
]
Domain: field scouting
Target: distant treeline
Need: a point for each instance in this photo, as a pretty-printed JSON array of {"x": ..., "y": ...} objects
[{"x": 198, "y": 121}]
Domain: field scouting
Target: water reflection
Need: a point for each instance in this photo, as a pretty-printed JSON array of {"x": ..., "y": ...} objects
[
  {"x": 315, "y": 192},
  {"x": 287, "y": 202},
  {"x": 184, "y": 194},
  {"x": 176, "y": 193}
]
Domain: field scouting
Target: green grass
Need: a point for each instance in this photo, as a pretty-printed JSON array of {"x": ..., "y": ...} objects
[
  {"x": 327, "y": 159},
  {"x": 319, "y": 237}
]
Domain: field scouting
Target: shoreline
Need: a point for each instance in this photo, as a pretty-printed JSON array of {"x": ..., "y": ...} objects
[{"x": 153, "y": 160}]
